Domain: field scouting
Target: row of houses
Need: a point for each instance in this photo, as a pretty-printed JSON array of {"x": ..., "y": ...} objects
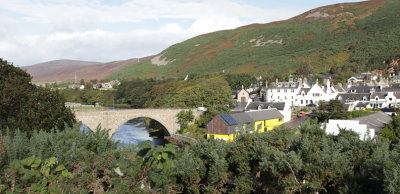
[
  {"x": 106, "y": 85},
  {"x": 302, "y": 92},
  {"x": 280, "y": 97}
]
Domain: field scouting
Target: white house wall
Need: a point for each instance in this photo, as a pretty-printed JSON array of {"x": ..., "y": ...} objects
[{"x": 333, "y": 126}]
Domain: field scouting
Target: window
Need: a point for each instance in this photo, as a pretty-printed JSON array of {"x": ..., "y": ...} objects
[
  {"x": 390, "y": 99},
  {"x": 292, "y": 90},
  {"x": 306, "y": 101},
  {"x": 376, "y": 98},
  {"x": 316, "y": 94},
  {"x": 285, "y": 90},
  {"x": 280, "y": 119},
  {"x": 258, "y": 126},
  {"x": 279, "y": 90},
  {"x": 301, "y": 102}
]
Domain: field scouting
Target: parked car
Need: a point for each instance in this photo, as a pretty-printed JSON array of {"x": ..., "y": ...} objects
[
  {"x": 311, "y": 105},
  {"x": 301, "y": 114}
]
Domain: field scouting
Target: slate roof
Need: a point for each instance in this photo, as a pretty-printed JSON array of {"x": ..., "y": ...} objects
[
  {"x": 380, "y": 95},
  {"x": 362, "y": 104},
  {"x": 352, "y": 96},
  {"x": 284, "y": 85},
  {"x": 375, "y": 121},
  {"x": 248, "y": 117},
  {"x": 239, "y": 107},
  {"x": 305, "y": 90},
  {"x": 362, "y": 75},
  {"x": 364, "y": 89},
  {"x": 265, "y": 105},
  {"x": 339, "y": 88},
  {"x": 392, "y": 87},
  {"x": 242, "y": 117},
  {"x": 264, "y": 114}
]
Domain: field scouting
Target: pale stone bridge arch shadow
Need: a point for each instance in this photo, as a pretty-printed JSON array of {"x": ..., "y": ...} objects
[{"x": 113, "y": 119}]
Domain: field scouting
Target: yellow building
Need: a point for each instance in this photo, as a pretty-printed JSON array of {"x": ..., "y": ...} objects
[{"x": 226, "y": 126}]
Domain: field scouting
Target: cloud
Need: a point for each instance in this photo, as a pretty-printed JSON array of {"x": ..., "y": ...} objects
[{"x": 34, "y": 32}]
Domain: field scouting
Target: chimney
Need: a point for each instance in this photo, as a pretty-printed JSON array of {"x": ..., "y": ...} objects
[
  {"x": 328, "y": 86},
  {"x": 276, "y": 81},
  {"x": 266, "y": 84},
  {"x": 305, "y": 80},
  {"x": 300, "y": 82},
  {"x": 291, "y": 79}
]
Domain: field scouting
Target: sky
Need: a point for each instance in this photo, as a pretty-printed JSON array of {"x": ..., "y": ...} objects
[{"x": 36, "y": 31}]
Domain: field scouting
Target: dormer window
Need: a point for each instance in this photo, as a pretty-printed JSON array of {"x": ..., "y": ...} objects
[
  {"x": 390, "y": 99},
  {"x": 353, "y": 91},
  {"x": 364, "y": 98},
  {"x": 376, "y": 98}
]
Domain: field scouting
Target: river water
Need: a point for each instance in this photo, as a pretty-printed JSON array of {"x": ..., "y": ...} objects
[{"x": 133, "y": 131}]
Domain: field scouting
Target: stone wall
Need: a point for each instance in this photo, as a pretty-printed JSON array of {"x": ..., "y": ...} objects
[{"x": 113, "y": 119}]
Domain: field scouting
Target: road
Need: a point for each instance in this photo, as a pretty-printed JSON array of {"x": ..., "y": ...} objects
[{"x": 296, "y": 122}]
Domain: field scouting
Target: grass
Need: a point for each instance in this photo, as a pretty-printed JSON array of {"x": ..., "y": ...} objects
[
  {"x": 359, "y": 113},
  {"x": 361, "y": 40}
]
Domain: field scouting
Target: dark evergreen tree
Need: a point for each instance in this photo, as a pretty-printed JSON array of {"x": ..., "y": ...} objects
[{"x": 25, "y": 107}]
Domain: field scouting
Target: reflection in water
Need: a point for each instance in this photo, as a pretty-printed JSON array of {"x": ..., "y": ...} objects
[{"x": 135, "y": 132}]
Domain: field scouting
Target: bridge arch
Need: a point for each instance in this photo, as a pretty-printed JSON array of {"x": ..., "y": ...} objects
[{"x": 113, "y": 119}]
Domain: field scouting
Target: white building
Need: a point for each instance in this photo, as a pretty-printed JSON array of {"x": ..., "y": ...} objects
[
  {"x": 333, "y": 127},
  {"x": 243, "y": 96},
  {"x": 282, "y": 92},
  {"x": 367, "y": 126},
  {"x": 301, "y": 93}
]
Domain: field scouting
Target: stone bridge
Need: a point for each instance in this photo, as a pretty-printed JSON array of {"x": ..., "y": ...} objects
[{"x": 113, "y": 119}]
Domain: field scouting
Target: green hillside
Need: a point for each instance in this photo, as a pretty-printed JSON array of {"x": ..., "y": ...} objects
[{"x": 343, "y": 38}]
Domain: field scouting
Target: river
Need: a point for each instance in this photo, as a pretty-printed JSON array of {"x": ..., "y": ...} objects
[{"x": 134, "y": 131}]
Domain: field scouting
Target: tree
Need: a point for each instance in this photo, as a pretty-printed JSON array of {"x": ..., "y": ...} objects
[
  {"x": 304, "y": 70},
  {"x": 392, "y": 130},
  {"x": 184, "y": 117},
  {"x": 25, "y": 107},
  {"x": 332, "y": 110},
  {"x": 236, "y": 81}
]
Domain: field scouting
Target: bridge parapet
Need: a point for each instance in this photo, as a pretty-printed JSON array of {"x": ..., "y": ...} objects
[{"x": 113, "y": 119}]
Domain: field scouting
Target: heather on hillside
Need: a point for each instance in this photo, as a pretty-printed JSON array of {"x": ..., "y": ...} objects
[{"x": 353, "y": 37}]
